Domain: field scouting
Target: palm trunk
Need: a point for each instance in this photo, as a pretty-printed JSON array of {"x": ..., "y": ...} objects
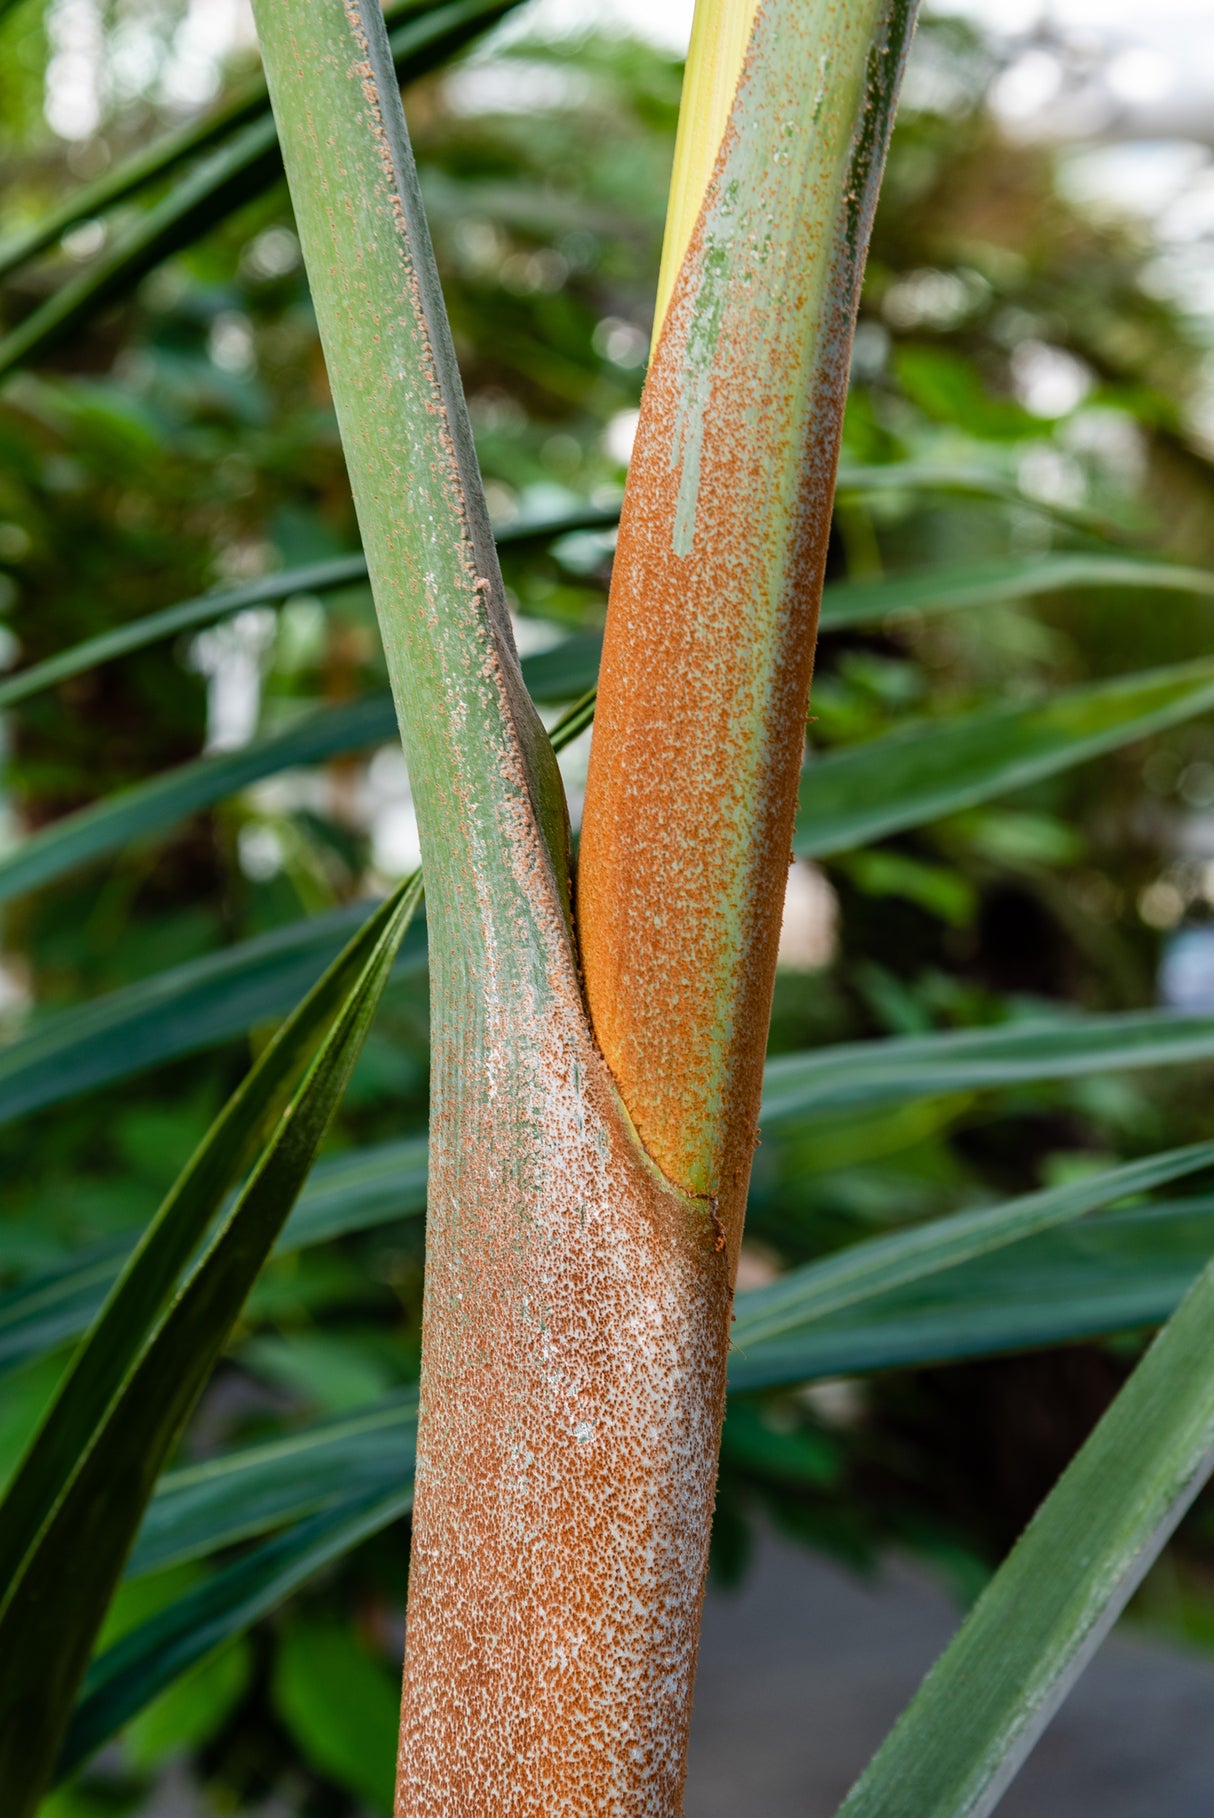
[{"x": 589, "y": 1166}]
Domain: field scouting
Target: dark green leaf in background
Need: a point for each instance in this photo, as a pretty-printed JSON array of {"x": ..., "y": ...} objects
[{"x": 78, "y": 1498}]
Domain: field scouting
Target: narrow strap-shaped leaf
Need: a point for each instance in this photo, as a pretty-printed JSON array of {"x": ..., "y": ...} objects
[
  {"x": 867, "y": 1269},
  {"x": 844, "y": 603},
  {"x": 185, "y": 615},
  {"x": 1046, "y": 1290},
  {"x": 56, "y": 1604},
  {"x": 220, "y": 184},
  {"x": 192, "y": 1007},
  {"x": 120, "y": 821},
  {"x": 154, "y": 1266},
  {"x": 189, "y": 1008},
  {"x": 354, "y": 1192},
  {"x": 146, "y": 168},
  {"x": 970, "y": 483},
  {"x": 58, "y": 1303},
  {"x": 231, "y": 176},
  {"x": 980, "y": 584},
  {"x": 130, "y": 1674},
  {"x": 1117, "y": 1273},
  {"x": 847, "y": 1076},
  {"x": 157, "y": 161},
  {"x": 860, "y": 1075},
  {"x": 197, "y": 1509},
  {"x": 123, "y": 1680},
  {"x": 182, "y": 1010},
  {"x": 201, "y": 1507},
  {"x": 314, "y": 578},
  {"x": 928, "y": 770},
  {"x": 1041, "y": 1618}
]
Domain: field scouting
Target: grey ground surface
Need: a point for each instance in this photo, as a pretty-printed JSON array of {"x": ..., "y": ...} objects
[{"x": 804, "y": 1668}]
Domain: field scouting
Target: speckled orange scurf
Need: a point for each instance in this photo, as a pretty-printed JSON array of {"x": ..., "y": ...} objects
[{"x": 706, "y": 666}]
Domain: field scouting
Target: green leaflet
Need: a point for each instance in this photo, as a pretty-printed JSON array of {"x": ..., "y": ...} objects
[
  {"x": 199, "y": 1508},
  {"x": 341, "y": 1706},
  {"x": 141, "y": 172},
  {"x": 872, "y": 1268},
  {"x": 186, "y": 615},
  {"x": 859, "y": 1075},
  {"x": 131, "y": 1673},
  {"x": 167, "y": 1245},
  {"x": 180, "y": 1011},
  {"x": 927, "y": 770},
  {"x": 353, "y": 1192},
  {"x": 847, "y": 797},
  {"x": 191, "y": 1007},
  {"x": 223, "y": 182},
  {"x": 71, "y": 1512},
  {"x": 544, "y": 670},
  {"x": 1116, "y": 1273},
  {"x": 844, "y": 603},
  {"x": 1102, "y": 1275},
  {"x": 968, "y": 483},
  {"x": 849, "y": 1076},
  {"x": 996, "y": 583},
  {"x": 1108, "y": 1274},
  {"x": 1087, "y": 1277},
  {"x": 990, "y": 1696},
  {"x": 120, "y": 821},
  {"x": 59, "y": 1302},
  {"x": 147, "y": 168}
]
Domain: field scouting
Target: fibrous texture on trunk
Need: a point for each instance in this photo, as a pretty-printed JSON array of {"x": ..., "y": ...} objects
[{"x": 578, "y": 1274}]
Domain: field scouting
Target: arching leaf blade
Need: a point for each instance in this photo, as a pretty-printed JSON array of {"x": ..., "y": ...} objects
[
  {"x": 925, "y": 771},
  {"x": 197, "y": 1509},
  {"x": 123, "y": 1680},
  {"x": 985, "y": 584},
  {"x": 224, "y": 181},
  {"x": 1039, "y": 1621},
  {"x": 864, "y": 1270},
  {"x": 182, "y": 1010},
  {"x": 861, "y": 1075},
  {"x": 146, "y": 809},
  {"x": 150, "y": 166},
  {"x": 353, "y": 1192},
  {"x": 860, "y": 481},
  {"x": 153, "y": 1268},
  {"x": 145, "y": 169},
  {"x": 1121, "y": 1272},
  {"x": 56, "y": 1604},
  {"x": 249, "y": 983},
  {"x": 314, "y": 578}
]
